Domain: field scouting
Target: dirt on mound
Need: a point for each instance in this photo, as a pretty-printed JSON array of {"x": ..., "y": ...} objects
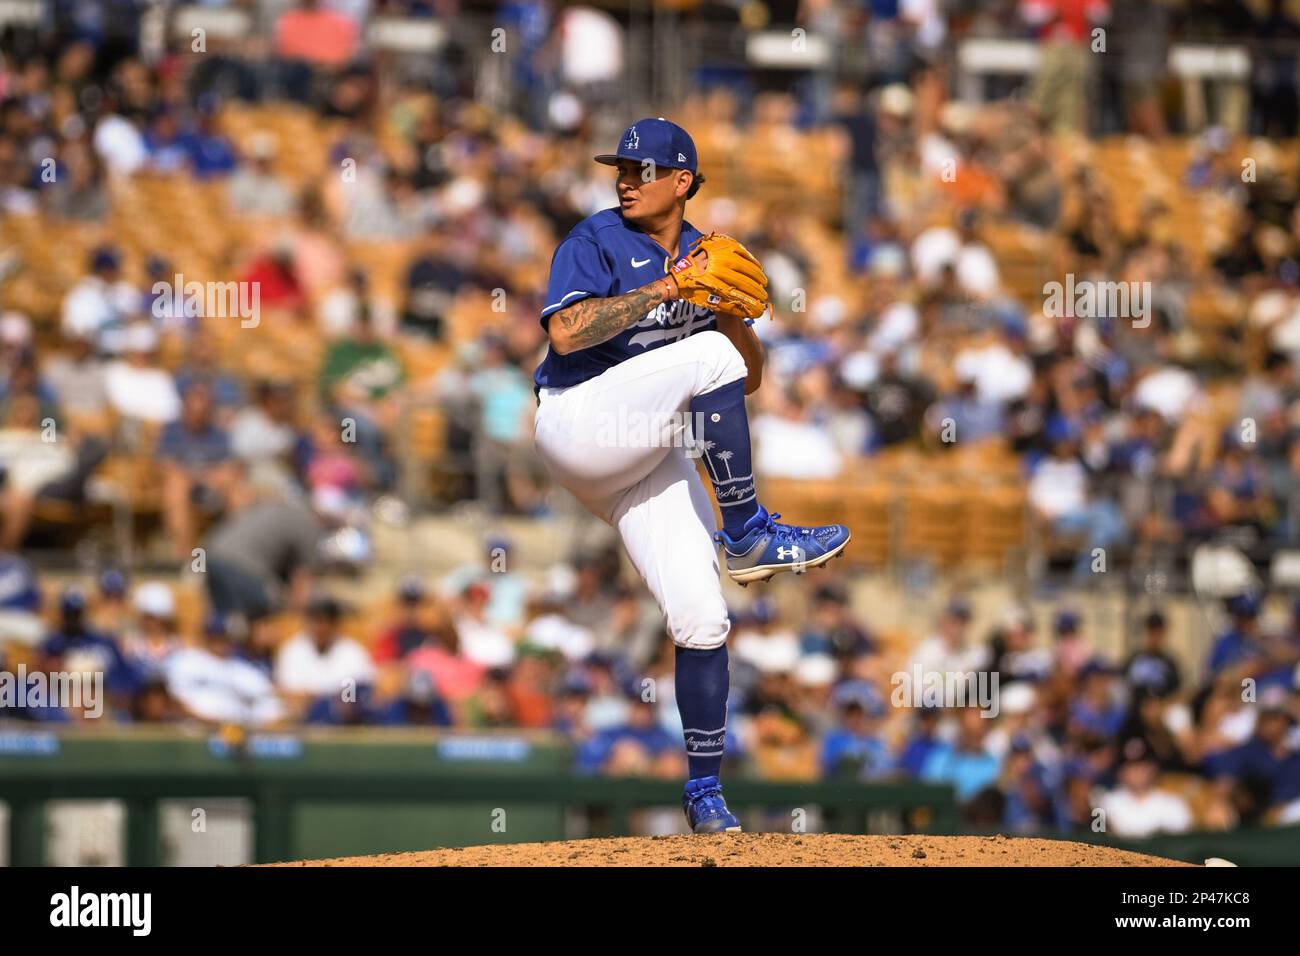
[{"x": 769, "y": 849}]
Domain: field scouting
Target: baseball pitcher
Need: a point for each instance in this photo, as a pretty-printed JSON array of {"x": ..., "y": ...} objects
[{"x": 651, "y": 355}]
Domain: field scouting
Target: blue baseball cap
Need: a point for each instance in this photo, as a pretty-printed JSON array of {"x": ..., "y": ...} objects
[
  {"x": 112, "y": 583},
  {"x": 658, "y": 141},
  {"x": 410, "y": 588},
  {"x": 1244, "y": 605},
  {"x": 1067, "y": 622},
  {"x": 72, "y": 599},
  {"x": 104, "y": 258}
]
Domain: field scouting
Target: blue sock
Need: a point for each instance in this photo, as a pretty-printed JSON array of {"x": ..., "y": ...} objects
[
  {"x": 701, "y": 685},
  {"x": 722, "y": 426}
]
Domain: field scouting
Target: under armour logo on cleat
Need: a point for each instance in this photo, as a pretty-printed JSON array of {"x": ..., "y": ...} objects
[{"x": 790, "y": 553}]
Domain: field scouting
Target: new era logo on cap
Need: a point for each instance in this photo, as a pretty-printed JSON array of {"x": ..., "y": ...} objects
[{"x": 657, "y": 141}]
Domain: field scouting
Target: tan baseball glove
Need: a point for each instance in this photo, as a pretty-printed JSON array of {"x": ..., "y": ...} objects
[{"x": 721, "y": 274}]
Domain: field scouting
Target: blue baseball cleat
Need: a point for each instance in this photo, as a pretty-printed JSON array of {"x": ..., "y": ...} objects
[
  {"x": 706, "y": 811},
  {"x": 768, "y": 548}
]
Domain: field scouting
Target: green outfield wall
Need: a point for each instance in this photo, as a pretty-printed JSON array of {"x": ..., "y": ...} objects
[{"x": 346, "y": 792}]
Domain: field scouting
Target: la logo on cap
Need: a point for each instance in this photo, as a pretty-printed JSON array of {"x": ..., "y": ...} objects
[{"x": 633, "y": 141}]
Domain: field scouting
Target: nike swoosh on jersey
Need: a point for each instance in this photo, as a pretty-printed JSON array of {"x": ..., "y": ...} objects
[{"x": 638, "y": 263}]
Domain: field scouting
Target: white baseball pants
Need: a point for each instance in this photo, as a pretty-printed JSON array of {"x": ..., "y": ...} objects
[{"x": 618, "y": 442}]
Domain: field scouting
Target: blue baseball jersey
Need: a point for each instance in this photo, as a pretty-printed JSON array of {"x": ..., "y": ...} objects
[{"x": 605, "y": 256}]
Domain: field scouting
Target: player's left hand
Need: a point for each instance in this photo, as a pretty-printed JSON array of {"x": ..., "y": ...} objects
[{"x": 721, "y": 274}]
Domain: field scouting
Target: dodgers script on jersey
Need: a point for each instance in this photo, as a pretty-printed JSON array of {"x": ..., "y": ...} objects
[{"x": 606, "y": 256}]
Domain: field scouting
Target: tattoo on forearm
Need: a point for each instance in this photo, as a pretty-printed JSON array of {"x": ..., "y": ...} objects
[{"x": 593, "y": 321}]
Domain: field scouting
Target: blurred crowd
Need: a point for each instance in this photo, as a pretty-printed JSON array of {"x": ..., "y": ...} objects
[
  {"x": 897, "y": 322},
  {"x": 1141, "y": 430},
  {"x": 1057, "y": 735}
]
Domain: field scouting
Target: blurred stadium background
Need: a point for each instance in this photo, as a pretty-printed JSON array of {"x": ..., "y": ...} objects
[{"x": 233, "y": 519}]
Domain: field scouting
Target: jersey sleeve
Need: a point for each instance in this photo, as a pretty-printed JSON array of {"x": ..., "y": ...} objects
[{"x": 578, "y": 271}]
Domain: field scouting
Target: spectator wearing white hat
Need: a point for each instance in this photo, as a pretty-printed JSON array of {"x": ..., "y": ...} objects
[
  {"x": 153, "y": 639},
  {"x": 1022, "y": 717},
  {"x": 814, "y": 680},
  {"x": 138, "y": 388}
]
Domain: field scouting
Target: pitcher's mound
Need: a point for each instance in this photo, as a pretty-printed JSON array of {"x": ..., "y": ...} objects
[{"x": 769, "y": 849}]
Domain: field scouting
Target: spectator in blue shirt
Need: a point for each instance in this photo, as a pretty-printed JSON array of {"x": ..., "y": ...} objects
[
  {"x": 202, "y": 367},
  {"x": 1240, "y": 644},
  {"x": 1263, "y": 773},
  {"x": 639, "y": 746},
  {"x": 1238, "y": 493},
  {"x": 336, "y": 710},
  {"x": 20, "y": 601},
  {"x": 963, "y": 414},
  {"x": 1095, "y": 709},
  {"x": 921, "y": 742},
  {"x": 175, "y": 145},
  {"x": 74, "y": 646},
  {"x": 165, "y": 142},
  {"x": 1031, "y": 804},
  {"x": 210, "y": 153},
  {"x": 966, "y": 765},
  {"x": 856, "y": 745},
  {"x": 832, "y": 628},
  {"x": 1277, "y": 659},
  {"x": 570, "y": 718},
  {"x": 198, "y": 468}
]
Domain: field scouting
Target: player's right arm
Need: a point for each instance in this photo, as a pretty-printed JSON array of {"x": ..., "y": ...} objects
[{"x": 592, "y": 321}]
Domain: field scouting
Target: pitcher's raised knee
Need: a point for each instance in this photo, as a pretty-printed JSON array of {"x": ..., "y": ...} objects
[
  {"x": 722, "y": 361},
  {"x": 700, "y": 628}
]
